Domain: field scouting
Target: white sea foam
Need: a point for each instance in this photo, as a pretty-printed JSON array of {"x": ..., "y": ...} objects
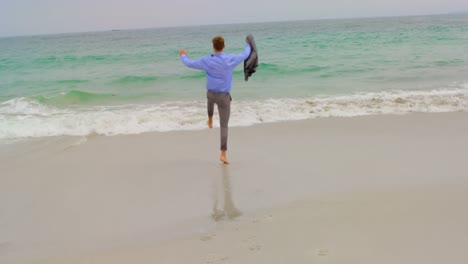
[{"x": 20, "y": 118}]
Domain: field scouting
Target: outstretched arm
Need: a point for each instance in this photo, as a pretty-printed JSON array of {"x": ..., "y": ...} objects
[
  {"x": 194, "y": 64},
  {"x": 244, "y": 55}
]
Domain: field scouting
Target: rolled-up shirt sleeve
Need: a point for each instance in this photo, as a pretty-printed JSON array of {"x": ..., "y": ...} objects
[{"x": 194, "y": 64}]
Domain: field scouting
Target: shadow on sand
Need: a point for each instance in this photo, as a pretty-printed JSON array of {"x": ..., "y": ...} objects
[{"x": 223, "y": 191}]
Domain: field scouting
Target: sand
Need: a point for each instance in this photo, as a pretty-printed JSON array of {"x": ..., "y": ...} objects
[{"x": 376, "y": 189}]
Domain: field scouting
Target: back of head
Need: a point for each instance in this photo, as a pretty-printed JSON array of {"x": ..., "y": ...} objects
[{"x": 218, "y": 43}]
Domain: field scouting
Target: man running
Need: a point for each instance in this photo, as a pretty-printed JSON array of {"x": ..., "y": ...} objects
[{"x": 218, "y": 67}]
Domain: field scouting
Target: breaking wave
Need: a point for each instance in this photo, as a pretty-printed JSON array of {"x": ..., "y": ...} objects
[{"x": 22, "y": 118}]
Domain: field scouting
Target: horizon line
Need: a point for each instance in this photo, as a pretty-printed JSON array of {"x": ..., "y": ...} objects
[{"x": 221, "y": 24}]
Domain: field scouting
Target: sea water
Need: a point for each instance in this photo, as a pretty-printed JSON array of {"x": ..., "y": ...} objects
[{"x": 132, "y": 81}]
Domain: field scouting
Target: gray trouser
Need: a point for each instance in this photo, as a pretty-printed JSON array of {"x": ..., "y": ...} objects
[{"x": 223, "y": 101}]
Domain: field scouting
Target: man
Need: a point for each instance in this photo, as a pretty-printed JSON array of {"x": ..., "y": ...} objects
[{"x": 218, "y": 67}]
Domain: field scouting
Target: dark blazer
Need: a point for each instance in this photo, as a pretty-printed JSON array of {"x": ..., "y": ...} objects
[{"x": 251, "y": 63}]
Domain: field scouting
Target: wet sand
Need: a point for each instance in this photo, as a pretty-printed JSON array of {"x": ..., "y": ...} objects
[{"x": 378, "y": 189}]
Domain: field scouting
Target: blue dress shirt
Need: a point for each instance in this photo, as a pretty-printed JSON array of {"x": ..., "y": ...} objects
[{"x": 218, "y": 68}]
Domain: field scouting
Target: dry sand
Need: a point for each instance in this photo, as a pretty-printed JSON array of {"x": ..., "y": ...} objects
[{"x": 379, "y": 189}]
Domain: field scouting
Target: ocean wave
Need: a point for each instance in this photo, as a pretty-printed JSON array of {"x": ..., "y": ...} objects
[
  {"x": 131, "y": 79},
  {"x": 21, "y": 117},
  {"x": 271, "y": 68},
  {"x": 72, "y": 81},
  {"x": 67, "y": 59},
  {"x": 320, "y": 71},
  {"x": 194, "y": 76},
  {"x": 74, "y": 97}
]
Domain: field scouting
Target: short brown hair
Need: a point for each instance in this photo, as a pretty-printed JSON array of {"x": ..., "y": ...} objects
[{"x": 218, "y": 43}]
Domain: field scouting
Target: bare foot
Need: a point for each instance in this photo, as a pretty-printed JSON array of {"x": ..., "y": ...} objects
[
  {"x": 210, "y": 122},
  {"x": 223, "y": 157}
]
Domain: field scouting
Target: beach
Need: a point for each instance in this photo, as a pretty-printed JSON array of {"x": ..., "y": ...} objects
[
  {"x": 347, "y": 145},
  {"x": 370, "y": 189}
]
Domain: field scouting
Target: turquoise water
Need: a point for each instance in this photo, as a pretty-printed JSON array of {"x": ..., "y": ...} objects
[{"x": 125, "y": 82}]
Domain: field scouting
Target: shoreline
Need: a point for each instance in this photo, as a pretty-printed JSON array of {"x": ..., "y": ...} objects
[
  {"x": 146, "y": 197},
  {"x": 21, "y": 121}
]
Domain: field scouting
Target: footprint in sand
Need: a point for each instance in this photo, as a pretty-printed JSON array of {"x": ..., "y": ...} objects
[
  {"x": 268, "y": 218},
  {"x": 322, "y": 252},
  {"x": 252, "y": 245},
  {"x": 5, "y": 247},
  {"x": 216, "y": 260},
  {"x": 255, "y": 247},
  {"x": 247, "y": 240},
  {"x": 207, "y": 237}
]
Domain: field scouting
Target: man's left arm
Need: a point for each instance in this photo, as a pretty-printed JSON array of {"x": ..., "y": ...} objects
[{"x": 244, "y": 55}]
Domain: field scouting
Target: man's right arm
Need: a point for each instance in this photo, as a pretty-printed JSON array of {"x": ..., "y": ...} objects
[{"x": 196, "y": 64}]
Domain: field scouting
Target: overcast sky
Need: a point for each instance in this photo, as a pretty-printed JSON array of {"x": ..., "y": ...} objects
[{"x": 25, "y": 17}]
